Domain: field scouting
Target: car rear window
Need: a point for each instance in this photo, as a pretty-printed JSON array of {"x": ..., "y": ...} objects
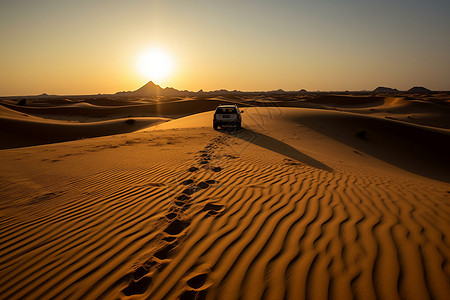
[{"x": 226, "y": 110}]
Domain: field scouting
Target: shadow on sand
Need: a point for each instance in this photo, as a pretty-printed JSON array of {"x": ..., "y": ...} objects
[{"x": 275, "y": 145}]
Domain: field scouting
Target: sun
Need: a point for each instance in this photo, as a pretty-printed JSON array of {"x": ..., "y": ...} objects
[{"x": 155, "y": 64}]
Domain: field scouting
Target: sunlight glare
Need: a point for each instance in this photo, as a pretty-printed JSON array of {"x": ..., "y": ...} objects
[{"x": 155, "y": 64}]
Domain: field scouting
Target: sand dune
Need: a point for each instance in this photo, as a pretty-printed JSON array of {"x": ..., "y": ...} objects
[
  {"x": 21, "y": 131},
  {"x": 419, "y": 149},
  {"x": 161, "y": 109},
  {"x": 301, "y": 204},
  {"x": 346, "y": 101}
]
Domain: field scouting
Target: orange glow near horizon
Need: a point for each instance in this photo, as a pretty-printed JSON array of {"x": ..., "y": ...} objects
[{"x": 82, "y": 47}]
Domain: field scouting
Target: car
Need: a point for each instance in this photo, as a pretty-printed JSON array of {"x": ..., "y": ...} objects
[{"x": 227, "y": 115}]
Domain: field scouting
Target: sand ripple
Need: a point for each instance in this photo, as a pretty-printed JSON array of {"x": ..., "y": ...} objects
[{"x": 225, "y": 225}]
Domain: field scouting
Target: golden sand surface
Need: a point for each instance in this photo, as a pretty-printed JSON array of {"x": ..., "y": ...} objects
[{"x": 324, "y": 197}]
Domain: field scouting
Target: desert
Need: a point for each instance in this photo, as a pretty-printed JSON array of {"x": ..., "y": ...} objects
[
  {"x": 321, "y": 195},
  {"x": 200, "y": 150}
]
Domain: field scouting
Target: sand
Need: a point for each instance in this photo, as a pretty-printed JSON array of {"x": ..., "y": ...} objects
[{"x": 317, "y": 197}]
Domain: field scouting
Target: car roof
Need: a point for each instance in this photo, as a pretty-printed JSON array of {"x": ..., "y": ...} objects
[{"x": 227, "y": 105}]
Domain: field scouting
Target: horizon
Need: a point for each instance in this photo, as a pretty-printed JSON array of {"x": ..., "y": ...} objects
[
  {"x": 218, "y": 90},
  {"x": 84, "y": 48}
]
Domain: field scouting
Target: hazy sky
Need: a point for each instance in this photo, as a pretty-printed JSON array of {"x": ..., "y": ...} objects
[{"x": 85, "y": 47}]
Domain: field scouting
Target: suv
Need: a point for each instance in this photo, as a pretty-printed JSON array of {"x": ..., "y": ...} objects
[{"x": 227, "y": 115}]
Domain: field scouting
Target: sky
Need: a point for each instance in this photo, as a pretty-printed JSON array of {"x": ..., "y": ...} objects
[{"x": 70, "y": 47}]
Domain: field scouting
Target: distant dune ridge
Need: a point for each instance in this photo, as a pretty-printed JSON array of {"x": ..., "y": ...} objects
[
  {"x": 419, "y": 89},
  {"x": 152, "y": 89},
  {"x": 135, "y": 196},
  {"x": 382, "y": 89}
]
